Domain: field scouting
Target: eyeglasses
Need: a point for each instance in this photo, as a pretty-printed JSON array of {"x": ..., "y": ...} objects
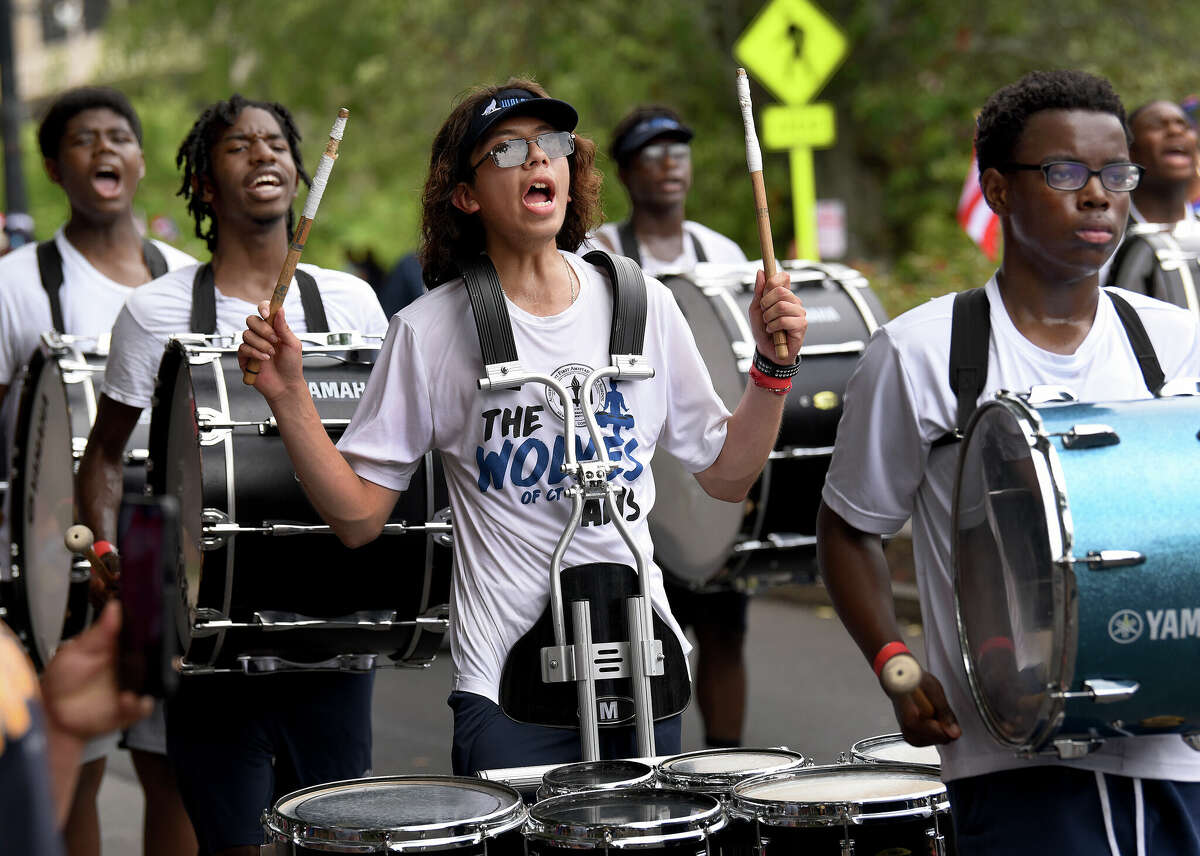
[
  {"x": 1072, "y": 175},
  {"x": 509, "y": 153},
  {"x": 656, "y": 152}
]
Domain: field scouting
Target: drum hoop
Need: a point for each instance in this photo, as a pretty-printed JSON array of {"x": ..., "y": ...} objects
[
  {"x": 543, "y": 826},
  {"x": 641, "y": 775},
  {"x": 1060, "y": 531},
  {"x": 858, "y": 751},
  {"x": 402, "y": 839},
  {"x": 836, "y": 812},
  {"x": 721, "y": 783}
]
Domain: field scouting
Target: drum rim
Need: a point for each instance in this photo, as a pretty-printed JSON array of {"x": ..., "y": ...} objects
[
  {"x": 858, "y": 750},
  {"x": 644, "y": 778},
  {"x": 836, "y": 812},
  {"x": 1060, "y": 531},
  {"x": 400, "y": 839},
  {"x": 653, "y": 833},
  {"x": 722, "y": 783}
]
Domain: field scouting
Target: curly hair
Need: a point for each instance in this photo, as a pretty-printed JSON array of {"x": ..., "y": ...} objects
[
  {"x": 1003, "y": 117},
  {"x": 75, "y": 101},
  {"x": 195, "y": 156},
  {"x": 448, "y": 234}
]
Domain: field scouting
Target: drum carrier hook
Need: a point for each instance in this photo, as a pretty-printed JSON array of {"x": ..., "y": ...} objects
[{"x": 641, "y": 657}]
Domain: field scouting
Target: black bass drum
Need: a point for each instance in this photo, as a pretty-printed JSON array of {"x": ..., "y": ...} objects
[
  {"x": 263, "y": 584},
  {"x": 769, "y": 538}
]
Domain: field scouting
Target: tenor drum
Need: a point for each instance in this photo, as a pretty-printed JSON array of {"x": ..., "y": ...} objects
[
  {"x": 648, "y": 821},
  {"x": 595, "y": 776},
  {"x": 894, "y": 749},
  {"x": 1075, "y": 577},
  {"x": 1161, "y": 263},
  {"x": 398, "y": 814},
  {"x": 867, "y": 810},
  {"x": 716, "y": 771},
  {"x": 263, "y": 584},
  {"x": 771, "y": 536}
]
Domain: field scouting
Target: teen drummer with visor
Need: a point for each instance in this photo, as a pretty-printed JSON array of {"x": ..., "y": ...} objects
[{"x": 509, "y": 178}]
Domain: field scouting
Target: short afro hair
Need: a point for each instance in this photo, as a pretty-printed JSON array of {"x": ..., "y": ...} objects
[
  {"x": 1003, "y": 117},
  {"x": 75, "y": 101}
]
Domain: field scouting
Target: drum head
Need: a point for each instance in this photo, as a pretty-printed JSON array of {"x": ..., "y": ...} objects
[
  {"x": 630, "y": 818},
  {"x": 716, "y": 771},
  {"x": 1011, "y": 595},
  {"x": 596, "y": 775},
  {"x": 403, "y": 813},
  {"x": 895, "y": 749},
  {"x": 41, "y": 498},
  {"x": 827, "y": 795}
]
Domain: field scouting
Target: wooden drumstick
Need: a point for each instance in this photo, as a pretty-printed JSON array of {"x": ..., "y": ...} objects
[
  {"x": 313, "y": 200},
  {"x": 79, "y": 540},
  {"x": 901, "y": 675},
  {"x": 754, "y": 164}
]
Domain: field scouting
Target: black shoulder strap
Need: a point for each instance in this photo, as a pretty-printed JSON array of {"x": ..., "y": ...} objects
[
  {"x": 1139, "y": 340},
  {"x": 970, "y": 333},
  {"x": 153, "y": 257},
  {"x": 314, "y": 306},
  {"x": 629, "y": 244},
  {"x": 629, "y": 301},
  {"x": 204, "y": 302},
  {"x": 487, "y": 306},
  {"x": 50, "y": 269},
  {"x": 699, "y": 250}
]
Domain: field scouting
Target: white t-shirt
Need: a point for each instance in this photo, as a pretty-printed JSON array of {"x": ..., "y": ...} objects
[
  {"x": 899, "y": 401},
  {"x": 717, "y": 248},
  {"x": 163, "y": 308},
  {"x": 90, "y": 300},
  {"x": 502, "y": 450}
]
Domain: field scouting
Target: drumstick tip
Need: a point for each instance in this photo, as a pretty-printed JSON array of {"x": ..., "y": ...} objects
[
  {"x": 343, "y": 113},
  {"x": 78, "y": 538},
  {"x": 901, "y": 674},
  {"x": 741, "y": 72}
]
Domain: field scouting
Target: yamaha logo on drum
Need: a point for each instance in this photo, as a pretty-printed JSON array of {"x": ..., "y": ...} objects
[
  {"x": 614, "y": 710},
  {"x": 328, "y": 389},
  {"x": 1125, "y": 626}
]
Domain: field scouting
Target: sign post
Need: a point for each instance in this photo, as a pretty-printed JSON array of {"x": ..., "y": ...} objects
[{"x": 793, "y": 48}]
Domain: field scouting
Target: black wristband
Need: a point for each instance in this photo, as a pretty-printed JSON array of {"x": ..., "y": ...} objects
[{"x": 773, "y": 369}]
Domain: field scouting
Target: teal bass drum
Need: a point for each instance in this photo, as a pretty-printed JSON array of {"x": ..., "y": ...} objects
[{"x": 1077, "y": 574}]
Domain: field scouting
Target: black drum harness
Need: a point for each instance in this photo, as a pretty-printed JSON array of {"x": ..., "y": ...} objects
[
  {"x": 629, "y": 244},
  {"x": 1153, "y": 261},
  {"x": 51, "y": 272},
  {"x": 592, "y": 653}
]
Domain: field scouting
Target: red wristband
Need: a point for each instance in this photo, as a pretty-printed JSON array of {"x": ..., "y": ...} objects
[
  {"x": 103, "y": 548},
  {"x": 886, "y": 653},
  {"x": 996, "y": 643},
  {"x": 777, "y": 385}
]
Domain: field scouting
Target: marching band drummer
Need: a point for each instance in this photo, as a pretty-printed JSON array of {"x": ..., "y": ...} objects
[
  {"x": 509, "y": 179},
  {"x": 234, "y": 741},
  {"x": 1054, "y": 165},
  {"x": 91, "y": 143}
]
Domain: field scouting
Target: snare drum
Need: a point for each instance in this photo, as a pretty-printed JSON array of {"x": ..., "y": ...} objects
[
  {"x": 867, "y": 810},
  {"x": 893, "y": 748},
  {"x": 716, "y": 771},
  {"x": 648, "y": 821},
  {"x": 264, "y": 584},
  {"x": 1076, "y": 590},
  {"x": 595, "y": 776},
  {"x": 771, "y": 536},
  {"x": 398, "y": 814}
]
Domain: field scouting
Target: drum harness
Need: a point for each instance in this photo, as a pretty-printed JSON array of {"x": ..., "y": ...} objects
[
  {"x": 50, "y": 268},
  {"x": 629, "y": 244},
  {"x": 1152, "y": 260},
  {"x": 584, "y": 661}
]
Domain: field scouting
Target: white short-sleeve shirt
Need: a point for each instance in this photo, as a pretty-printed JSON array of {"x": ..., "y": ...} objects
[{"x": 717, "y": 249}]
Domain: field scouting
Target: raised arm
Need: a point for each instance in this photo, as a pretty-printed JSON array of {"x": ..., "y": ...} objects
[{"x": 354, "y": 507}]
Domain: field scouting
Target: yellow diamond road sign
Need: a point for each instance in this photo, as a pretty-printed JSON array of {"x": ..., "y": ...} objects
[{"x": 791, "y": 48}]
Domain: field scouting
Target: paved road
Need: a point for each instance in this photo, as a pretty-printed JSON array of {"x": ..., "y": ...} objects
[{"x": 810, "y": 690}]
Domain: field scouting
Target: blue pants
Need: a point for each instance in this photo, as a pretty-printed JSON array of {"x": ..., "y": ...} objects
[
  {"x": 484, "y": 738},
  {"x": 239, "y": 742},
  {"x": 1060, "y": 810}
]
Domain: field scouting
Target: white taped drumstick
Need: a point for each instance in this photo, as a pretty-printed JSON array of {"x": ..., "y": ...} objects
[
  {"x": 311, "y": 203},
  {"x": 754, "y": 164},
  {"x": 901, "y": 675}
]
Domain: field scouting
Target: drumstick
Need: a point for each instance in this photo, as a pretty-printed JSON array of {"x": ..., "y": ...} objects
[
  {"x": 79, "y": 539},
  {"x": 901, "y": 675},
  {"x": 754, "y": 164},
  {"x": 315, "y": 192}
]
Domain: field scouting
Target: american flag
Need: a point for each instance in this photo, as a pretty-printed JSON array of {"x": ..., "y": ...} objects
[{"x": 979, "y": 222}]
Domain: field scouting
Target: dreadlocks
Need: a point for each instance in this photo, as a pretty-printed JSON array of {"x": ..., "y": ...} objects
[{"x": 195, "y": 156}]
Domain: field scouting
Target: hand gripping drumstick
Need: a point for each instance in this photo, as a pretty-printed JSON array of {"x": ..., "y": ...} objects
[
  {"x": 754, "y": 163},
  {"x": 297, "y": 246},
  {"x": 901, "y": 675}
]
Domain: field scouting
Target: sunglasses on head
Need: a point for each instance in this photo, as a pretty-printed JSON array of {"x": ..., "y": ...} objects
[{"x": 510, "y": 153}]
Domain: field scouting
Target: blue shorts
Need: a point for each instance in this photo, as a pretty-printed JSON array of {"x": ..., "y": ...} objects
[
  {"x": 484, "y": 738},
  {"x": 239, "y": 742},
  {"x": 1059, "y": 810}
]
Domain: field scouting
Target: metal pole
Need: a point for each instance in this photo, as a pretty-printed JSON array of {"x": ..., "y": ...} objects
[{"x": 18, "y": 223}]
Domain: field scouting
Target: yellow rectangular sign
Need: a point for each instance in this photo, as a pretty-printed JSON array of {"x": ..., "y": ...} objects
[{"x": 809, "y": 126}]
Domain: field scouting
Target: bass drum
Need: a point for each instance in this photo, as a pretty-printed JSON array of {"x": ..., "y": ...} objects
[
  {"x": 1161, "y": 263},
  {"x": 263, "y": 584},
  {"x": 771, "y": 537}
]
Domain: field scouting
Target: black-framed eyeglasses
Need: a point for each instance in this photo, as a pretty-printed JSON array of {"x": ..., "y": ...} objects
[
  {"x": 1073, "y": 175},
  {"x": 656, "y": 152},
  {"x": 510, "y": 153}
]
